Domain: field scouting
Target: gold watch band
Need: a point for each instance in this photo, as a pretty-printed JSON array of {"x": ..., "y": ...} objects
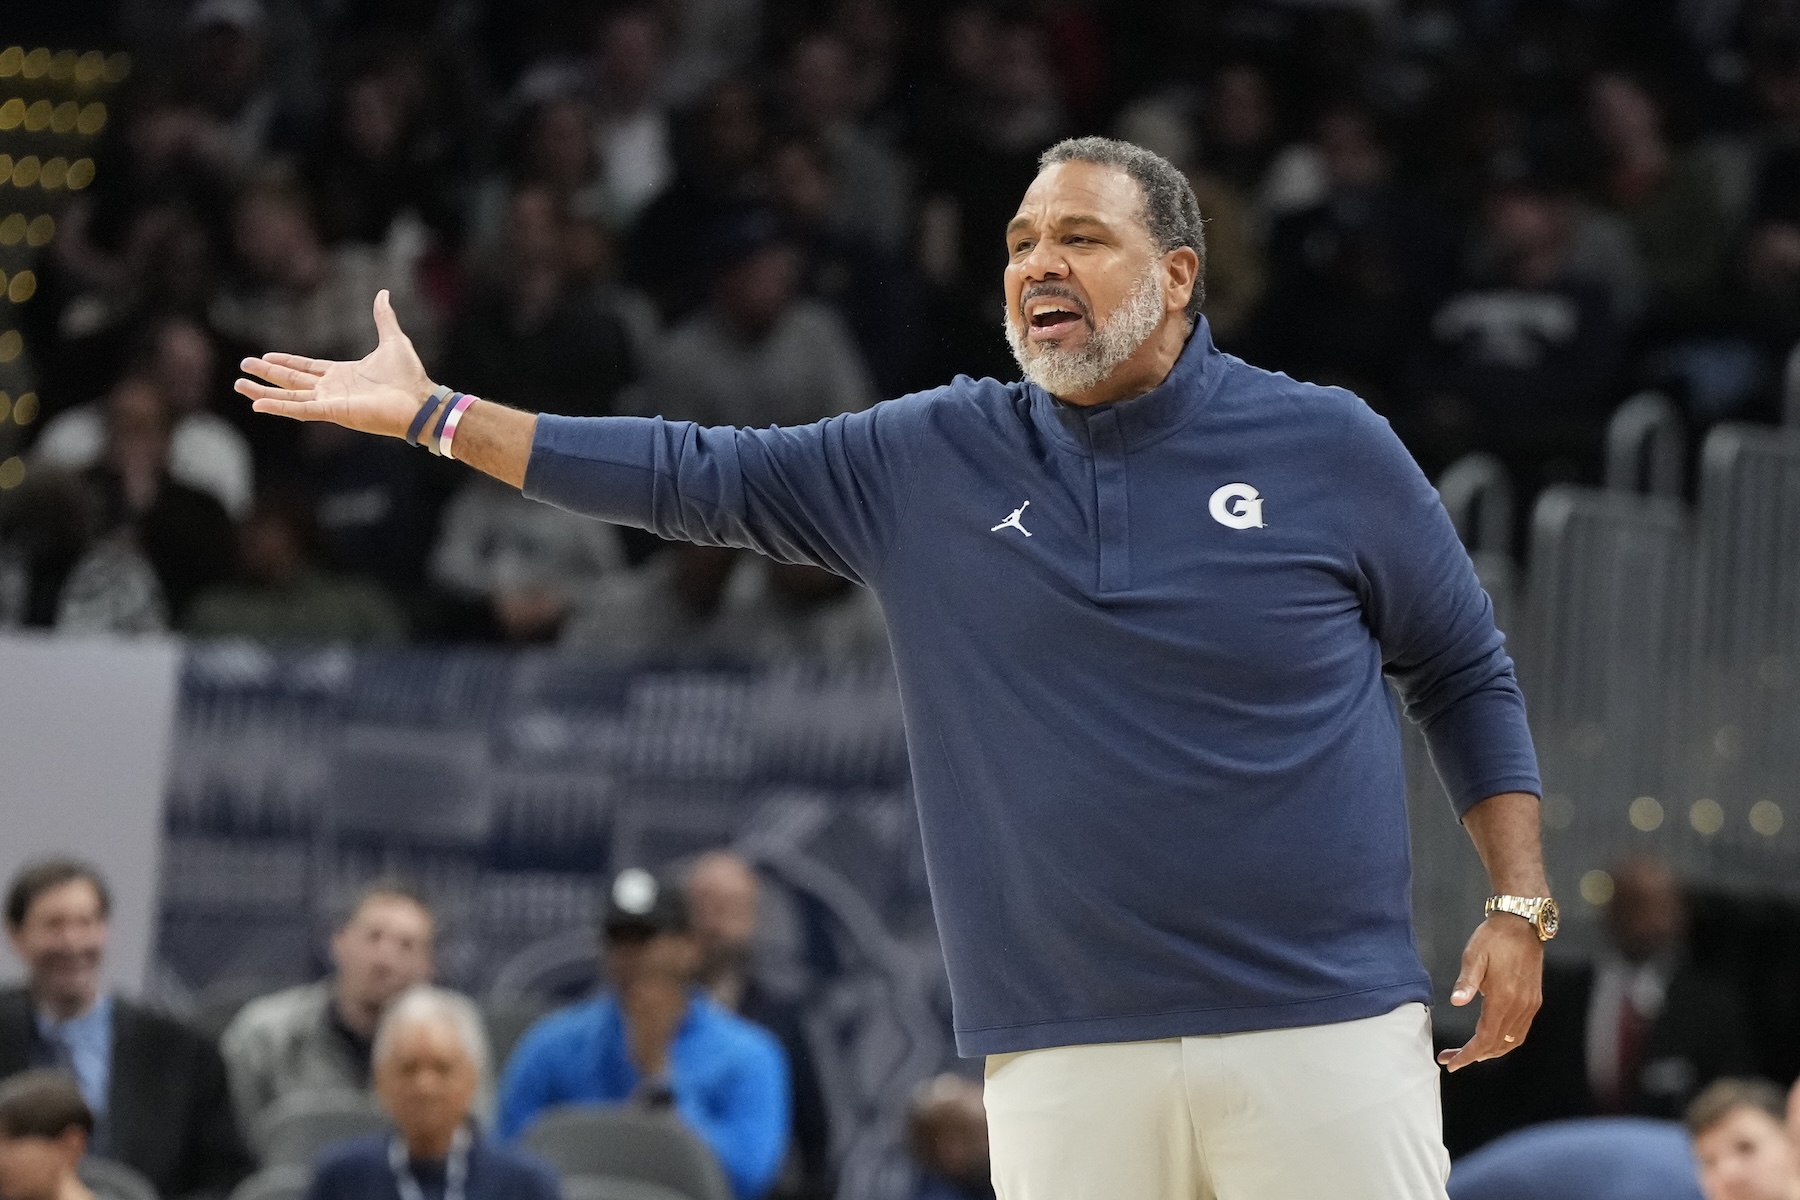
[{"x": 1540, "y": 911}]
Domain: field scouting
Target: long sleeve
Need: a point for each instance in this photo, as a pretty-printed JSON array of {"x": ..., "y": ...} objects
[
  {"x": 1434, "y": 622},
  {"x": 744, "y": 1117},
  {"x": 527, "y": 1086},
  {"x": 829, "y": 494}
]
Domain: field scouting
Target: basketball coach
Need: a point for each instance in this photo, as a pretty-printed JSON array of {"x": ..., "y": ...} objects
[{"x": 1141, "y": 606}]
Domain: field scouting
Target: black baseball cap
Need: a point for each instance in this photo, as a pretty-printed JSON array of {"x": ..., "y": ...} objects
[{"x": 641, "y": 902}]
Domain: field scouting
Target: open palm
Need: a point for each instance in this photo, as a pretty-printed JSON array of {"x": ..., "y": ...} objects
[{"x": 380, "y": 393}]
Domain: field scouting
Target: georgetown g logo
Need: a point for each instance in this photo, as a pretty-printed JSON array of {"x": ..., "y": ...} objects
[{"x": 1236, "y": 506}]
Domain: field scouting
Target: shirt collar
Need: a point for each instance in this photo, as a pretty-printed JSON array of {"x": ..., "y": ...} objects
[
  {"x": 95, "y": 1022},
  {"x": 1140, "y": 419}
]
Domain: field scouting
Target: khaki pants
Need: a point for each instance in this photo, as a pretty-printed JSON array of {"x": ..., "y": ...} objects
[{"x": 1324, "y": 1112}]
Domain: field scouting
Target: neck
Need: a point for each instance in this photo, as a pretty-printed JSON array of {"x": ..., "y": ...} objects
[
  {"x": 430, "y": 1145},
  {"x": 71, "y": 1188},
  {"x": 67, "y": 1008},
  {"x": 1147, "y": 367},
  {"x": 356, "y": 1018}
]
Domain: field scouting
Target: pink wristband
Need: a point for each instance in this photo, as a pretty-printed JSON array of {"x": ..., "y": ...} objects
[{"x": 451, "y": 420}]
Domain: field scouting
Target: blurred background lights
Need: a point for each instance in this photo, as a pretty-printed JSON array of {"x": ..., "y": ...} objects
[
  {"x": 10, "y": 345},
  {"x": 36, "y": 64},
  {"x": 1597, "y": 888},
  {"x": 62, "y": 66},
  {"x": 81, "y": 173},
  {"x": 55, "y": 172},
  {"x": 41, "y": 230},
  {"x": 5, "y": 407},
  {"x": 117, "y": 67},
  {"x": 12, "y": 114},
  {"x": 12, "y": 472},
  {"x": 37, "y": 117},
  {"x": 1765, "y": 817},
  {"x": 12, "y": 61},
  {"x": 22, "y": 287},
  {"x": 1706, "y": 817},
  {"x": 89, "y": 67},
  {"x": 26, "y": 170},
  {"x": 63, "y": 119},
  {"x": 25, "y": 408},
  {"x": 12, "y": 229},
  {"x": 91, "y": 119},
  {"x": 1646, "y": 813}
]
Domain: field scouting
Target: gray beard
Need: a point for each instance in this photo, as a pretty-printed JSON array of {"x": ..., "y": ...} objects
[{"x": 1071, "y": 372}]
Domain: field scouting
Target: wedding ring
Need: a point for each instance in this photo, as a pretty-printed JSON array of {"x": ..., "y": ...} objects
[{"x": 1507, "y": 1037}]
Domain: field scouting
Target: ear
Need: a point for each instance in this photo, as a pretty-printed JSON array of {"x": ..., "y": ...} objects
[
  {"x": 1183, "y": 266},
  {"x": 72, "y": 1145}
]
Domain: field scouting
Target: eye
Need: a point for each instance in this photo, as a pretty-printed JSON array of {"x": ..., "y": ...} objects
[{"x": 1021, "y": 246}]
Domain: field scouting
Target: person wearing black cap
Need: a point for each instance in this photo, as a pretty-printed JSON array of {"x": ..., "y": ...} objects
[{"x": 656, "y": 1039}]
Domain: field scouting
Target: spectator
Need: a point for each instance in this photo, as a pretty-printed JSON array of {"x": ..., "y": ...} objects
[
  {"x": 758, "y": 354},
  {"x": 561, "y": 156},
  {"x": 1639, "y": 1031},
  {"x": 285, "y": 596},
  {"x": 430, "y": 1058},
  {"x": 873, "y": 200},
  {"x": 1522, "y": 358},
  {"x": 319, "y": 1036},
  {"x": 1668, "y": 199},
  {"x": 656, "y": 1040},
  {"x": 720, "y": 173},
  {"x": 946, "y": 1128},
  {"x": 525, "y": 563},
  {"x": 378, "y": 157},
  {"x": 1352, "y": 278},
  {"x": 631, "y": 127},
  {"x": 1608, "y": 1158},
  {"x": 530, "y": 333},
  {"x": 874, "y": 292},
  {"x": 156, "y": 1088},
  {"x": 45, "y": 530},
  {"x": 184, "y": 534},
  {"x": 238, "y": 110},
  {"x": 45, "y": 1127},
  {"x": 1242, "y": 142},
  {"x": 294, "y": 290},
  {"x": 206, "y": 452},
  {"x": 1741, "y": 1141},
  {"x": 724, "y": 895}
]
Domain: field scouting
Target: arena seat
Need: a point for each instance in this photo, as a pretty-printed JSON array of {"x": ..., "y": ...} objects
[{"x": 622, "y": 1143}]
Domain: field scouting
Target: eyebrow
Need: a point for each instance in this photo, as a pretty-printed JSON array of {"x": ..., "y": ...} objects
[{"x": 1018, "y": 223}]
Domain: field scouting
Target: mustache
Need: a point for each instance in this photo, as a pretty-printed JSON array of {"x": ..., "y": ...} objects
[{"x": 1038, "y": 291}]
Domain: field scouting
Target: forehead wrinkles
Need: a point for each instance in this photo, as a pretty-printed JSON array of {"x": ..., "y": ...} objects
[{"x": 1081, "y": 189}]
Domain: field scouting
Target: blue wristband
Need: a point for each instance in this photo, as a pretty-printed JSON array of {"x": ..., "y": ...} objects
[
  {"x": 430, "y": 406},
  {"x": 438, "y": 433}
]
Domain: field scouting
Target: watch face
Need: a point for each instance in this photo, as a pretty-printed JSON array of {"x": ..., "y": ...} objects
[{"x": 1549, "y": 919}]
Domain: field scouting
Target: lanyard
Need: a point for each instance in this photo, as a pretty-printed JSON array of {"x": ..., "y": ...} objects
[{"x": 456, "y": 1170}]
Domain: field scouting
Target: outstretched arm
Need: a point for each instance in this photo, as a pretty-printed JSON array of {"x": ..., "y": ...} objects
[
  {"x": 829, "y": 494},
  {"x": 382, "y": 393}
]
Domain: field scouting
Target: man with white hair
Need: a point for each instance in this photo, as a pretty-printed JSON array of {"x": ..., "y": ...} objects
[
  {"x": 1158, "y": 770},
  {"x": 430, "y": 1057}
]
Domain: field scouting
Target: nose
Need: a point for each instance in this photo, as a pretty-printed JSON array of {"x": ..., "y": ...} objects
[{"x": 1045, "y": 261}]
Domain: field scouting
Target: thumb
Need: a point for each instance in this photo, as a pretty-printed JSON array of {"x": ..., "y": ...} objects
[
  {"x": 387, "y": 325},
  {"x": 1469, "y": 982}
]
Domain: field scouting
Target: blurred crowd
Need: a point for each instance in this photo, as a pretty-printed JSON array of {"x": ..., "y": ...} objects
[
  {"x": 689, "y": 1066},
  {"x": 1493, "y": 219}
]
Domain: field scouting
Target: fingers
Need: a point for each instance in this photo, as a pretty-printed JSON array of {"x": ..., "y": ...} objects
[
  {"x": 262, "y": 391},
  {"x": 1509, "y": 979},
  {"x": 1474, "y": 970},
  {"x": 299, "y": 410},
  {"x": 387, "y": 325},
  {"x": 280, "y": 373},
  {"x": 312, "y": 366}
]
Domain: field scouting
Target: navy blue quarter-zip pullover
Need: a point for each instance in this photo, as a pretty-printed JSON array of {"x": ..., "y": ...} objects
[{"x": 1140, "y": 649}]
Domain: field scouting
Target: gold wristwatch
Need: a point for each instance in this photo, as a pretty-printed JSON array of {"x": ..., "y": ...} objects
[{"x": 1541, "y": 911}]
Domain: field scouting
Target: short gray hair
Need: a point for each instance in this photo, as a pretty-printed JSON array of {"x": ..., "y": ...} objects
[
  {"x": 427, "y": 1003},
  {"x": 1171, "y": 213}
]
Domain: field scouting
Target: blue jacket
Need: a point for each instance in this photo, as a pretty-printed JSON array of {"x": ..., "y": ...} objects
[
  {"x": 729, "y": 1076},
  {"x": 358, "y": 1170},
  {"x": 1604, "y": 1158},
  {"x": 1140, "y": 650}
]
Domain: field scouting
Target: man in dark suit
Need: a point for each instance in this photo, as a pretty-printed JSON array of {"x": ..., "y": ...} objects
[
  {"x": 1638, "y": 1031},
  {"x": 156, "y": 1087}
]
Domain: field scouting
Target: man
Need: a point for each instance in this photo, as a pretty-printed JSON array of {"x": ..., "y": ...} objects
[
  {"x": 320, "y": 1035},
  {"x": 1158, "y": 774},
  {"x": 156, "y": 1088},
  {"x": 657, "y": 1040},
  {"x": 1742, "y": 1143},
  {"x": 725, "y": 898},
  {"x": 430, "y": 1059},
  {"x": 1638, "y": 1031},
  {"x": 44, "y": 1130}
]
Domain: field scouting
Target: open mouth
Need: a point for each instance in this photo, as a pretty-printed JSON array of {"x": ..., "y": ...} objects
[{"x": 1049, "y": 319}]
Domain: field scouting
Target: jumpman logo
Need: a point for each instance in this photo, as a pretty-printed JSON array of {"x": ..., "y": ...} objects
[{"x": 1014, "y": 521}]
